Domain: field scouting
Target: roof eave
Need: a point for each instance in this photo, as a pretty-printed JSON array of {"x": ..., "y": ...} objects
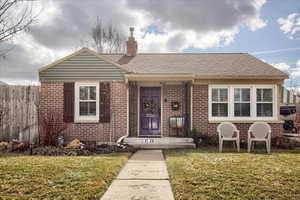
[
  {"x": 241, "y": 77},
  {"x": 159, "y": 77},
  {"x": 191, "y": 76}
]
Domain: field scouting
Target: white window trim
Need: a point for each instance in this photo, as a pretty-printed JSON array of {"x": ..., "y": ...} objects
[
  {"x": 233, "y": 102},
  {"x": 79, "y": 118},
  {"x": 219, "y": 102},
  {"x": 253, "y": 116}
]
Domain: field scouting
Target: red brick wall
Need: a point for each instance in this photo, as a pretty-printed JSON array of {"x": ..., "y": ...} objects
[
  {"x": 52, "y": 100},
  {"x": 200, "y": 108},
  {"x": 172, "y": 93},
  {"x": 200, "y": 116}
]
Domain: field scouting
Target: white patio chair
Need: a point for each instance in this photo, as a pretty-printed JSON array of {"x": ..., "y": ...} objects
[
  {"x": 259, "y": 131},
  {"x": 228, "y": 132}
]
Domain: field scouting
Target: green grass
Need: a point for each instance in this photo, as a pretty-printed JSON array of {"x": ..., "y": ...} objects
[
  {"x": 205, "y": 174},
  {"x": 42, "y": 177}
]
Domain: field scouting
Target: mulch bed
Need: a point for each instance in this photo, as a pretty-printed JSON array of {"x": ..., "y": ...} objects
[{"x": 86, "y": 151}]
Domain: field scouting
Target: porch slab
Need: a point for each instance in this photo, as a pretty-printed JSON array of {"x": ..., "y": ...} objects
[
  {"x": 139, "y": 189},
  {"x": 164, "y": 146},
  {"x": 160, "y": 143}
]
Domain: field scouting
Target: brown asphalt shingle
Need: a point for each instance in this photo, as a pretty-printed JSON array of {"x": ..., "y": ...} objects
[{"x": 204, "y": 64}]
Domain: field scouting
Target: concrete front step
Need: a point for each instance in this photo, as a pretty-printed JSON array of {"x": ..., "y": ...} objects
[
  {"x": 165, "y": 146},
  {"x": 159, "y": 140},
  {"x": 160, "y": 143}
]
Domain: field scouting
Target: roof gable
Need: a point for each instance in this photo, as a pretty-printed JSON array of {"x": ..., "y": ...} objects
[{"x": 82, "y": 65}]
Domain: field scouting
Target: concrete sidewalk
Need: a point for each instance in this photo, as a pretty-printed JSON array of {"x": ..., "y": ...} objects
[{"x": 144, "y": 177}]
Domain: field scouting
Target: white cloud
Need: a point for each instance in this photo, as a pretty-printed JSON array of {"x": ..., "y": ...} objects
[
  {"x": 275, "y": 51},
  {"x": 206, "y": 23},
  {"x": 295, "y": 72},
  {"x": 298, "y": 63},
  {"x": 62, "y": 25},
  {"x": 282, "y": 66},
  {"x": 291, "y": 25},
  {"x": 256, "y": 22}
]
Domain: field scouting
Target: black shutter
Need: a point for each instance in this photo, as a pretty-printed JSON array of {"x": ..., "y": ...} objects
[
  {"x": 68, "y": 102},
  {"x": 104, "y": 114}
]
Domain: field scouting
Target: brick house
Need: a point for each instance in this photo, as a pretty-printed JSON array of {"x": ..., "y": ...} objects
[{"x": 106, "y": 96}]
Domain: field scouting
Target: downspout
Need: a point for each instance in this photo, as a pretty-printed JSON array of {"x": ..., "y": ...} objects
[{"x": 127, "y": 109}]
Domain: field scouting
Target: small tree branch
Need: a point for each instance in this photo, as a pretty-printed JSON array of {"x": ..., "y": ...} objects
[
  {"x": 15, "y": 16},
  {"x": 107, "y": 38}
]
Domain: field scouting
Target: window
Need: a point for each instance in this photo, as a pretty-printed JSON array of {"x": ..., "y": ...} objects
[
  {"x": 220, "y": 102},
  {"x": 264, "y": 102},
  {"x": 242, "y": 102},
  {"x": 86, "y": 101}
]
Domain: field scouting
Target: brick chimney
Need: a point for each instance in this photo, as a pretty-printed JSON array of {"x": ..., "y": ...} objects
[{"x": 131, "y": 44}]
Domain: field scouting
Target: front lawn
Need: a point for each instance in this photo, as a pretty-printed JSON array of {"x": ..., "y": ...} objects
[
  {"x": 46, "y": 177},
  {"x": 205, "y": 174}
]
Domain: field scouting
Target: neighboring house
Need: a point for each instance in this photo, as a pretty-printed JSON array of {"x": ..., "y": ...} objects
[
  {"x": 289, "y": 96},
  {"x": 106, "y": 96}
]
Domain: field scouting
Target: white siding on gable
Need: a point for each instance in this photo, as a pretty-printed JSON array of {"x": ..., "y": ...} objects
[{"x": 83, "y": 66}]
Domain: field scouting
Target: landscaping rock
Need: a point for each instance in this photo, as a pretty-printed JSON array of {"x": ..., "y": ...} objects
[
  {"x": 3, "y": 146},
  {"x": 15, "y": 145},
  {"x": 75, "y": 144}
]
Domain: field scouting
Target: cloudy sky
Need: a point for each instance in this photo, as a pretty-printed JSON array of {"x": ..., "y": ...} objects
[{"x": 267, "y": 29}]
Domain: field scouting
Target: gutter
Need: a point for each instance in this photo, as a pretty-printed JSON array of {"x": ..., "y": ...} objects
[
  {"x": 190, "y": 77},
  {"x": 159, "y": 77}
]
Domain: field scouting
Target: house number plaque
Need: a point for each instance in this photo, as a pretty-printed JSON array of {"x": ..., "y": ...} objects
[{"x": 148, "y": 141}]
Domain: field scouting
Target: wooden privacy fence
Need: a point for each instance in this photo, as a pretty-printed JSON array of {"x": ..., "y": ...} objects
[{"x": 19, "y": 113}]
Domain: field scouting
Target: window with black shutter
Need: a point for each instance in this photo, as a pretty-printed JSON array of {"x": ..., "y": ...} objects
[{"x": 87, "y": 101}]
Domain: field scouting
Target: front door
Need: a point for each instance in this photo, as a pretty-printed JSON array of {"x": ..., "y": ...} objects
[{"x": 150, "y": 111}]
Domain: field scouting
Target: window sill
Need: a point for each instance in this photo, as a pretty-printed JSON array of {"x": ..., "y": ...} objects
[
  {"x": 86, "y": 121},
  {"x": 246, "y": 121}
]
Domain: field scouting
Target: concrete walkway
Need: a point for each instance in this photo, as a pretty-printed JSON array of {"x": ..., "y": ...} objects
[{"x": 144, "y": 177}]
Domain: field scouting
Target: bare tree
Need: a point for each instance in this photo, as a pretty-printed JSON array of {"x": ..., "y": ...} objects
[
  {"x": 107, "y": 38},
  {"x": 15, "y": 16}
]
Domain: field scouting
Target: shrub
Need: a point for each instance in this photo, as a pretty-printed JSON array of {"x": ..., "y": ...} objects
[
  {"x": 51, "y": 126},
  {"x": 60, "y": 151},
  {"x": 203, "y": 139},
  {"x": 285, "y": 142}
]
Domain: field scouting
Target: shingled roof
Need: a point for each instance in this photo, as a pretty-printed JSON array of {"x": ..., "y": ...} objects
[{"x": 234, "y": 65}]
